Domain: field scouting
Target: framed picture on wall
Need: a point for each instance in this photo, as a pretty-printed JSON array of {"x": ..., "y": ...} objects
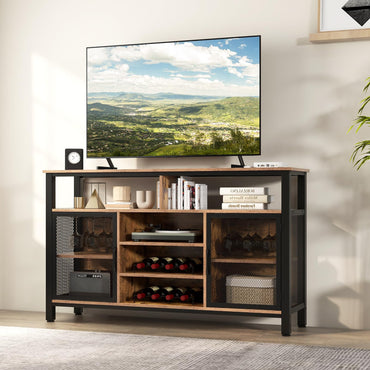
[{"x": 337, "y": 15}]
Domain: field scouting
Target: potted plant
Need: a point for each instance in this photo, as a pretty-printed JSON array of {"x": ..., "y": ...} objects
[{"x": 361, "y": 152}]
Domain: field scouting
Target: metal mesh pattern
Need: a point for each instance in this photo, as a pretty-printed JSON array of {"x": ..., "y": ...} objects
[
  {"x": 64, "y": 268},
  {"x": 64, "y": 232}
]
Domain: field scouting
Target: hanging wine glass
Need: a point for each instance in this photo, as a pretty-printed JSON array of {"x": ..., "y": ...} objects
[
  {"x": 256, "y": 243},
  {"x": 268, "y": 243},
  {"x": 91, "y": 238},
  {"x": 227, "y": 244},
  {"x": 248, "y": 244},
  {"x": 109, "y": 239},
  {"x": 103, "y": 238},
  {"x": 76, "y": 238}
]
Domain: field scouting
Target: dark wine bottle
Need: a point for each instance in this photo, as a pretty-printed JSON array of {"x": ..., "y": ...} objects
[
  {"x": 145, "y": 264},
  {"x": 146, "y": 293},
  {"x": 188, "y": 265},
  {"x": 163, "y": 264},
  {"x": 192, "y": 295},
  {"x": 165, "y": 293}
]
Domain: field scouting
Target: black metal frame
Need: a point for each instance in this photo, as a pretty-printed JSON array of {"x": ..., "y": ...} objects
[{"x": 284, "y": 254}]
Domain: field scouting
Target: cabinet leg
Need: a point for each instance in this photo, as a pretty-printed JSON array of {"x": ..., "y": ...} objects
[
  {"x": 78, "y": 310},
  {"x": 50, "y": 313},
  {"x": 302, "y": 318},
  {"x": 286, "y": 325}
]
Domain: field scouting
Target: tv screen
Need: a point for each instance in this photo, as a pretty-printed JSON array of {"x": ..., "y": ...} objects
[{"x": 168, "y": 99}]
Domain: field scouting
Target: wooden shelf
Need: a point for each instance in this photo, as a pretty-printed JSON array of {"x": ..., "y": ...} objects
[
  {"x": 337, "y": 36},
  {"x": 198, "y": 306},
  {"x": 159, "y": 275},
  {"x": 163, "y": 244},
  {"x": 174, "y": 171},
  {"x": 87, "y": 255},
  {"x": 156, "y": 211},
  {"x": 266, "y": 260}
]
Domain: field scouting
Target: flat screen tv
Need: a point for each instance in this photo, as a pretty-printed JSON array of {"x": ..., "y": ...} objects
[{"x": 169, "y": 99}]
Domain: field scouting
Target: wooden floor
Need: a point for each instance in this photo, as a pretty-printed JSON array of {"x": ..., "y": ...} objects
[{"x": 133, "y": 323}]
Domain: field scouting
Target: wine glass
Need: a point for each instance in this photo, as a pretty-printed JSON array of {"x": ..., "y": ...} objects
[
  {"x": 75, "y": 241},
  {"x": 91, "y": 238}
]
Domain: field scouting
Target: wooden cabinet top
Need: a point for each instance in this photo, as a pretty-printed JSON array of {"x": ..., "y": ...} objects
[{"x": 177, "y": 171}]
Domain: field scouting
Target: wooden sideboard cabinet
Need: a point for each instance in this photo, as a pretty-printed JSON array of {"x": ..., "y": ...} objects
[{"x": 253, "y": 262}]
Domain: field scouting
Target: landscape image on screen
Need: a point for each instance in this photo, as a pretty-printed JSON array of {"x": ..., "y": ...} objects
[{"x": 189, "y": 98}]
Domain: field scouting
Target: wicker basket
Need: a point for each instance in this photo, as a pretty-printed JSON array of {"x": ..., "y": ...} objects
[{"x": 250, "y": 289}]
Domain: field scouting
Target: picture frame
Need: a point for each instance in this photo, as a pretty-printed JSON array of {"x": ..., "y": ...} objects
[
  {"x": 336, "y": 24},
  {"x": 332, "y": 16}
]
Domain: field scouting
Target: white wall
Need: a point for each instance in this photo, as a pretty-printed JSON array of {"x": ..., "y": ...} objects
[{"x": 310, "y": 95}]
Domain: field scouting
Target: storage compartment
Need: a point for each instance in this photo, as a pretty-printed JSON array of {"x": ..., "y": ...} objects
[
  {"x": 131, "y": 254},
  {"x": 250, "y": 289},
  {"x": 130, "y": 285},
  {"x": 148, "y": 222},
  {"x": 85, "y": 256},
  {"x": 242, "y": 270}
]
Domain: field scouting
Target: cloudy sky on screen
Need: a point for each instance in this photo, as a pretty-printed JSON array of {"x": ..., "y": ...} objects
[{"x": 219, "y": 67}]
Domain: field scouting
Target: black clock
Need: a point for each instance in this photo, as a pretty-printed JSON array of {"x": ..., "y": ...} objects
[{"x": 74, "y": 159}]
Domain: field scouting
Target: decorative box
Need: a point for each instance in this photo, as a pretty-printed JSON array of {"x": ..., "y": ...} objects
[{"x": 243, "y": 289}]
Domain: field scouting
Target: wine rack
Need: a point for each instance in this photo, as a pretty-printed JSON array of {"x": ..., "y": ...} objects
[{"x": 253, "y": 262}]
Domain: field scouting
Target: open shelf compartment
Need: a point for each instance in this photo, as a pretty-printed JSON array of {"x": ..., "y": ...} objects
[{"x": 242, "y": 260}]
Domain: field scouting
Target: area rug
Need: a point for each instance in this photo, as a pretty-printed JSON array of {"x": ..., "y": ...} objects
[{"x": 28, "y": 348}]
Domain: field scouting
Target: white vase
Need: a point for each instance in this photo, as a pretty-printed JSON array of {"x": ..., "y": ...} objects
[{"x": 146, "y": 200}]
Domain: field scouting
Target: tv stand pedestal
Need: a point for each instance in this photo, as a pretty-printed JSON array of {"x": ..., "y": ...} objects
[
  {"x": 250, "y": 262},
  {"x": 110, "y": 167},
  {"x": 241, "y": 161}
]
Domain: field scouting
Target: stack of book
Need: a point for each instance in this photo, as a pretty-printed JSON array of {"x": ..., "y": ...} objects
[
  {"x": 244, "y": 197},
  {"x": 124, "y": 205},
  {"x": 186, "y": 194}
]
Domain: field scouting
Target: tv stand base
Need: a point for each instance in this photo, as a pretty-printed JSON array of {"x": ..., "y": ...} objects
[
  {"x": 241, "y": 165},
  {"x": 110, "y": 167}
]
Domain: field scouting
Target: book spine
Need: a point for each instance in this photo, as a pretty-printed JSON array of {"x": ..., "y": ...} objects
[
  {"x": 187, "y": 193},
  {"x": 197, "y": 196},
  {"x": 242, "y": 190},
  {"x": 174, "y": 195},
  {"x": 243, "y": 206},
  {"x": 203, "y": 196},
  {"x": 169, "y": 198},
  {"x": 158, "y": 196},
  {"x": 180, "y": 193},
  {"x": 192, "y": 197},
  {"x": 246, "y": 198}
]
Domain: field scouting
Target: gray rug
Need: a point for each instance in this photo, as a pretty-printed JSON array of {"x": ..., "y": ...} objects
[{"x": 28, "y": 348}]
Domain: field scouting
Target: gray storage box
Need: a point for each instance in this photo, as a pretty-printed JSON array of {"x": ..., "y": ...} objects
[
  {"x": 89, "y": 282},
  {"x": 250, "y": 289}
]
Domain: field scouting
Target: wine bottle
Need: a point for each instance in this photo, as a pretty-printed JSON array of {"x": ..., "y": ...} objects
[
  {"x": 188, "y": 265},
  {"x": 163, "y": 264},
  {"x": 146, "y": 293},
  {"x": 192, "y": 295},
  {"x": 179, "y": 292},
  {"x": 165, "y": 293},
  {"x": 145, "y": 264}
]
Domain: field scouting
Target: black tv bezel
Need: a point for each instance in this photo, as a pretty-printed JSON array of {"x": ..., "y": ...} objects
[{"x": 178, "y": 156}]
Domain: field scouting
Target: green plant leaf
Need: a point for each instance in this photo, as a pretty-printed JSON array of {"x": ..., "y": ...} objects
[{"x": 361, "y": 152}]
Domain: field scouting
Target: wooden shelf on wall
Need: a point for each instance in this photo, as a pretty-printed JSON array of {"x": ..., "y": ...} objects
[{"x": 338, "y": 36}]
